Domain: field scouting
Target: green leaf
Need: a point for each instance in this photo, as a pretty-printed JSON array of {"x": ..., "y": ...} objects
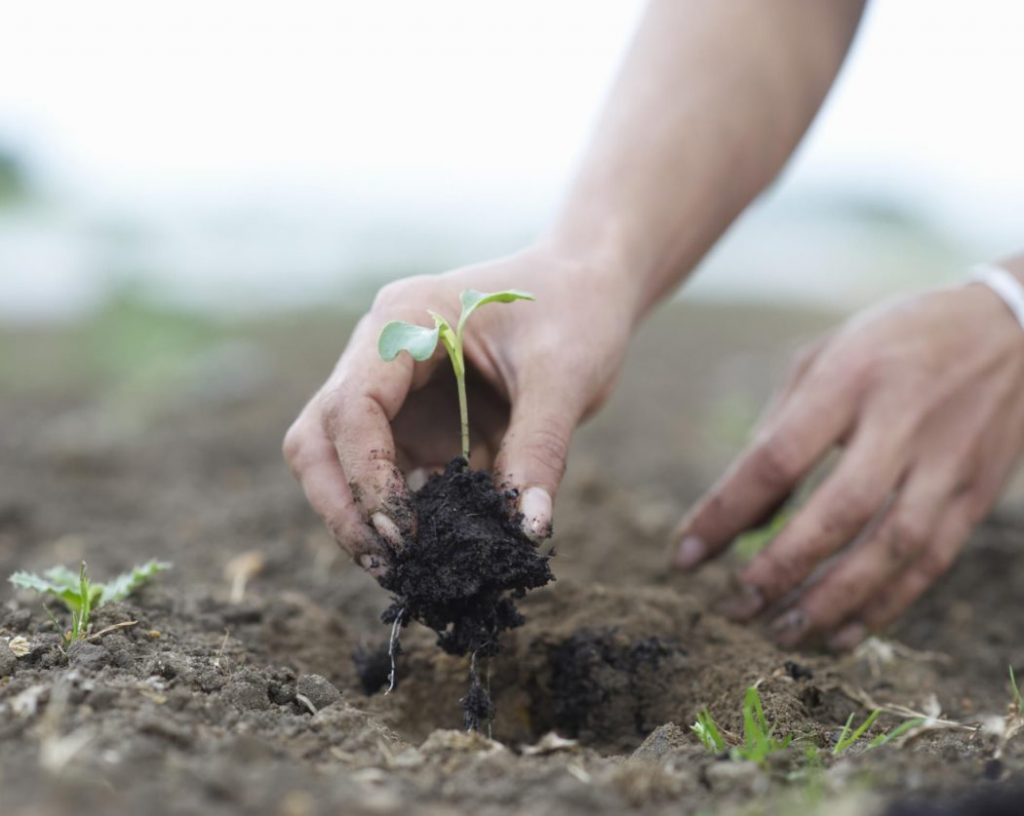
[
  {"x": 472, "y": 300},
  {"x": 897, "y": 732},
  {"x": 126, "y": 583},
  {"x": 707, "y": 731},
  {"x": 846, "y": 738},
  {"x": 398, "y": 336},
  {"x": 57, "y": 582},
  {"x": 62, "y": 578},
  {"x": 29, "y": 580}
]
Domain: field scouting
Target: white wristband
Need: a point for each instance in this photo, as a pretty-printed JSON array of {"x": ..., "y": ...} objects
[{"x": 1006, "y": 286}]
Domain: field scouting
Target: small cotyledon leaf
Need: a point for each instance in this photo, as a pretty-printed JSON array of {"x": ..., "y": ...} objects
[
  {"x": 472, "y": 300},
  {"x": 126, "y": 583},
  {"x": 398, "y": 336}
]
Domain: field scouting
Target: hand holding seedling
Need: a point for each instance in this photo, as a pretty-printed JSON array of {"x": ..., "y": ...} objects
[
  {"x": 531, "y": 372},
  {"x": 926, "y": 400}
]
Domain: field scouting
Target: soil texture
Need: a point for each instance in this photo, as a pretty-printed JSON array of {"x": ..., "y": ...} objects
[{"x": 248, "y": 681}]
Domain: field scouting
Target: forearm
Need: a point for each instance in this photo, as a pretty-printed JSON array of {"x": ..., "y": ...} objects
[{"x": 712, "y": 99}]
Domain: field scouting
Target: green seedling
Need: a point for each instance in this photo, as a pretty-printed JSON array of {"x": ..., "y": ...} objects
[
  {"x": 707, "y": 732},
  {"x": 1017, "y": 699},
  {"x": 848, "y": 736},
  {"x": 759, "y": 741},
  {"x": 749, "y": 544},
  {"x": 897, "y": 732},
  {"x": 420, "y": 342},
  {"x": 80, "y": 595}
]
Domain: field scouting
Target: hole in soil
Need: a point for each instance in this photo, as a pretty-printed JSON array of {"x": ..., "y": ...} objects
[
  {"x": 606, "y": 689},
  {"x": 599, "y": 685}
]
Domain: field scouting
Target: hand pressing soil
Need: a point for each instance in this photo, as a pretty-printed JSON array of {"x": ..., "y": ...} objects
[{"x": 469, "y": 562}]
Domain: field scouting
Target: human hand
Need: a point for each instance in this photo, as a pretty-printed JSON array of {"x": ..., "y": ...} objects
[
  {"x": 534, "y": 371},
  {"x": 926, "y": 400}
]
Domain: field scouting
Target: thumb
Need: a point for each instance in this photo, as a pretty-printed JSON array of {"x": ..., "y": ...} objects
[{"x": 534, "y": 451}]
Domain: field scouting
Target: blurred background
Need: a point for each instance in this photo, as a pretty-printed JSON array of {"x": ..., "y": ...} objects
[{"x": 245, "y": 157}]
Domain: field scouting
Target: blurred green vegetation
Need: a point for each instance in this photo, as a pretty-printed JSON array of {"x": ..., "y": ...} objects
[
  {"x": 13, "y": 181},
  {"x": 126, "y": 341}
]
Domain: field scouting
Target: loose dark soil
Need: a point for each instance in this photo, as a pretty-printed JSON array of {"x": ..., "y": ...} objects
[
  {"x": 461, "y": 574},
  {"x": 214, "y": 704},
  {"x": 467, "y": 564}
]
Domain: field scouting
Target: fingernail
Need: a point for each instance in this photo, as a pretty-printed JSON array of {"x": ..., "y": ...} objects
[
  {"x": 373, "y": 564},
  {"x": 416, "y": 478},
  {"x": 690, "y": 553},
  {"x": 789, "y": 628},
  {"x": 535, "y": 505},
  {"x": 387, "y": 529},
  {"x": 848, "y": 637},
  {"x": 744, "y": 605}
]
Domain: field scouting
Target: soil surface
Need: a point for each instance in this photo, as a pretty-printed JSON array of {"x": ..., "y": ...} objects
[{"x": 236, "y": 690}]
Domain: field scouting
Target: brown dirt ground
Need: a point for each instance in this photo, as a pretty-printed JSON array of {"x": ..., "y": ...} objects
[{"x": 173, "y": 452}]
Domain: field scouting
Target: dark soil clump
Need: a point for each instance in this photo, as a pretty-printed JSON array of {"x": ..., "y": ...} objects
[{"x": 469, "y": 562}]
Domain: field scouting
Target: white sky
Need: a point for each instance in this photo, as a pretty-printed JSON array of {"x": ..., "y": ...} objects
[{"x": 470, "y": 110}]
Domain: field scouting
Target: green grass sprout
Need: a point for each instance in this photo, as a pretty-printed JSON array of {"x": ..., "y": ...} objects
[
  {"x": 897, "y": 732},
  {"x": 759, "y": 740},
  {"x": 848, "y": 736},
  {"x": 1016, "y": 693},
  {"x": 750, "y": 543},
  {"x": 707, "y": 732},
  {"x": 420, "y": 342},
  {"x": 80, "y": 595}
]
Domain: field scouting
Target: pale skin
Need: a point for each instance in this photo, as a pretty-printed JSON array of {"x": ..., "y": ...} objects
[{"x": 924, "y": 399}]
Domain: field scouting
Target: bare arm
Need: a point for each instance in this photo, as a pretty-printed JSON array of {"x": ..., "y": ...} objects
[
  {"x": 712, "y": 99},
  {"x": 710, "y": 103}
]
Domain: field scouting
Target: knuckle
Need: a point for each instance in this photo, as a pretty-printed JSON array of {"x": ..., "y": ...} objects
[
  {"x": 548, "y": 449},
  {"x": 291, "y": 446},
  {"x": 335, "y": 406},
  {"x": 776, "y": 463},
  {"x": 389, "y": 295},
  {"x": 396, "y": 294},
  {"x": 851, "y": 508},
  {"x": 908, "y": 535}
]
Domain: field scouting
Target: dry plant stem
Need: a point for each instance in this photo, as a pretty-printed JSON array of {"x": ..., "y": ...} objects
[
  {"x": 931, "y": 723},
  {"x": 109, "y": 629}
]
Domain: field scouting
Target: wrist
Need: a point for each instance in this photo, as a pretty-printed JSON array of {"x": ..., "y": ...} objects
[{"x": 599, "y": 269}]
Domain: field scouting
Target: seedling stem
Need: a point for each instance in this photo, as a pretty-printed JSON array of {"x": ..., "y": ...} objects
[{"x": 420, "y": 342}]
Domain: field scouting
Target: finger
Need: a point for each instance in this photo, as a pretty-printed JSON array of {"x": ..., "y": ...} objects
[
  {"x": 313, "y": 461},
  {"x": 533, "y": 454},
  {"x": 837, "y": 512},
  {"x": 786, "y": 449},
  {"x": 950, "y": 536},
  {"x": 803, "y": 359},
  {"x": 902, "y": 534},
  {"x": 356, "y": 410}
]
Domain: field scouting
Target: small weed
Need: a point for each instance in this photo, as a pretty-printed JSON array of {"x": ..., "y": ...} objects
[
  {"x": 707, "y": 732},
  {"x": 848, "y": 737},
  {"x": 80, "y": 595},
  {"x": 759, "y": 741},
  {"x": 1016, "y": 693}
]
